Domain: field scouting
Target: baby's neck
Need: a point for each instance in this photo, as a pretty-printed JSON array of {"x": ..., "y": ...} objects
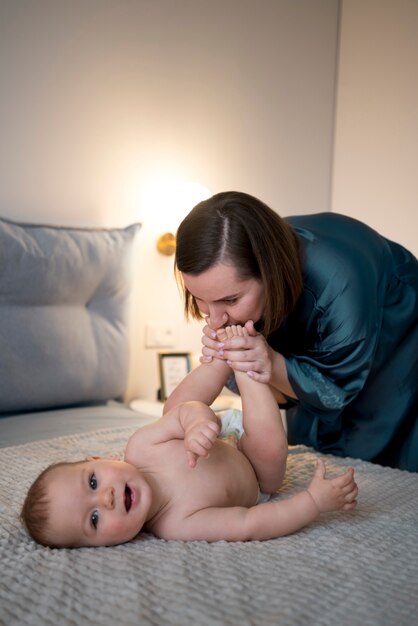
[{"x": 160, "y": 498}]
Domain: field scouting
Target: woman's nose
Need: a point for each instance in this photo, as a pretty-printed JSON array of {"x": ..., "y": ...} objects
[
  {"x": 217, "y": 317},
  {"x": 107, "y": 498}
]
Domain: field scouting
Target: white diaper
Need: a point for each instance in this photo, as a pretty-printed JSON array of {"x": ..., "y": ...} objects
[
  {"x": 231, "y": 426},
  {"x": 231, "y": 432},
  {"x": 262, "y": 497}
]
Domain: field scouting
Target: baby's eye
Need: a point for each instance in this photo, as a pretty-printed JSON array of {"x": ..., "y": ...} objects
[
  {"x": 94, "y": 519},
  {"x": 93, "y": 481}
]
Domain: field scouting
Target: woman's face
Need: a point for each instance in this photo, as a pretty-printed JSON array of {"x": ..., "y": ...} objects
[{"x": 225, "y": 298}]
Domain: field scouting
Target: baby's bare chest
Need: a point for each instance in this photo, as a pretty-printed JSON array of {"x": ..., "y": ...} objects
[{"x": 225, "y": 478}]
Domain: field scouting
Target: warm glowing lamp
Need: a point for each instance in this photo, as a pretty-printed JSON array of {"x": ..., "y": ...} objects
[
  {"x": 166, "y": 244},
  {"x": 171, "y": 200}
]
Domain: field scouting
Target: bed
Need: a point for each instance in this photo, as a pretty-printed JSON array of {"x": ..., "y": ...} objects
[{"x": 63, "y": 300}]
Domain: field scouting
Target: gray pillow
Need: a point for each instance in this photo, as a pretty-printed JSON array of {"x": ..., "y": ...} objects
[{"x": 63, "y": 314}]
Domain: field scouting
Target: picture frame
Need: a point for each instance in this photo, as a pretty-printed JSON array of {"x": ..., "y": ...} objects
[{"x": 173, "y": 367}]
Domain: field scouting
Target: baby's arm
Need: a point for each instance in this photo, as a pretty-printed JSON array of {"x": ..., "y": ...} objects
[
  {"x": 193, "y": 421},
  {"x": 264, "y": 442},
  {"x": 201, "y": 428},
  {"x": 271, "y": 519}
]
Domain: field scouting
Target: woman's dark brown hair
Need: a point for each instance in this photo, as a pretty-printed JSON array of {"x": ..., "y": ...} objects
[{"x": 236, "y": 228}]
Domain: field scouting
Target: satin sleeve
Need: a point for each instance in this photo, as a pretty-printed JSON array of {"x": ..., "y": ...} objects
[
  {"x": 342, "y": 331},
  {"x": 328, "y": 388},
  {"x": 333, "y": 336}
]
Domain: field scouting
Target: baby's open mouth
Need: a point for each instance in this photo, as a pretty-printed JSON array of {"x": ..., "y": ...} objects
[{"x": 128, "y": 498}]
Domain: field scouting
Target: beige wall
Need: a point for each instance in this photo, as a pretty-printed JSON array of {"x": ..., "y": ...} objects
[
  {"x": 376, "y": 139},
  {"x": 98, "y": 98}
]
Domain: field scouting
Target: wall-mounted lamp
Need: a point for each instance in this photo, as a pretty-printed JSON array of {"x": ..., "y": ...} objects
[
  {"x": 167, "y": 200},
  {"x": 166, "y": 244}
]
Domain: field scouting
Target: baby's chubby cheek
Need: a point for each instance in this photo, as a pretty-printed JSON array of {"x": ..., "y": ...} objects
[{"x": 122, "y": 530}]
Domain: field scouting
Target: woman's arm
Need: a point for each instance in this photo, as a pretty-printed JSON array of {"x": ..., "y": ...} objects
[{"x": 279, "y": 381}]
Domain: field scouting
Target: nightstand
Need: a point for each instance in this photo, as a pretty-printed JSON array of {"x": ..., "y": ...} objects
[{"x": 154, "y": 408}]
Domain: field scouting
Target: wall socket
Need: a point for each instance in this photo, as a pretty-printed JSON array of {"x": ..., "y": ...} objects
[{"x": 159, "y": 335}]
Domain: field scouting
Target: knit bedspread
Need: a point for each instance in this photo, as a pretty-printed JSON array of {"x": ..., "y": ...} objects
[{"x": 347, "y": 568}]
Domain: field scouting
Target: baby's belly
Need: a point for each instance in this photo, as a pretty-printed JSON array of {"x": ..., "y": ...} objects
[{"x": 226, "y": 478}]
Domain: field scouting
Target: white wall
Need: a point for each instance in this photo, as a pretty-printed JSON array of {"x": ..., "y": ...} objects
[
  {"x": 376, "y": 139},
  {"x": 99, "y": 97}
]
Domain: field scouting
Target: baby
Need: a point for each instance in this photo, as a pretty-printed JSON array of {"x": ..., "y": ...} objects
[{"x": 180, "y": 480}]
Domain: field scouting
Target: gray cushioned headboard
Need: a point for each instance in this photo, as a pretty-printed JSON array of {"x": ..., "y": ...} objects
[{"x": 63, "y": 314}]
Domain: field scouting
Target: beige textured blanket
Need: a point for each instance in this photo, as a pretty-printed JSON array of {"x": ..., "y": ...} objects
[{"x": 357, "y": 568}]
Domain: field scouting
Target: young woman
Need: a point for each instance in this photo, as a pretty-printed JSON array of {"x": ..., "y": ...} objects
[{"x": 331, "y": 309}]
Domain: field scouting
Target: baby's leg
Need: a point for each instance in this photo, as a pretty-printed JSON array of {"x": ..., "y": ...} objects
[{"x": 264, "y": 441}]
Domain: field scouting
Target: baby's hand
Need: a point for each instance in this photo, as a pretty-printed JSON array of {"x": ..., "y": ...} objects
[
  {"x": 199, "y": 438},
  {"x": 334, "y": 494}
]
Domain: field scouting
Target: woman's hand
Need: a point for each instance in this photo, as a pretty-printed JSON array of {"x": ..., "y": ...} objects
[
  {"x": 248, "y": 352},
  {"x": 212, "y": 346}
]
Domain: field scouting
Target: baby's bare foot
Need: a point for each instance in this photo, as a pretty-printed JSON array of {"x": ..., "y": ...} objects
[
  {"x": 229, "y": 332},
  {"x": 221, "y": 334}
]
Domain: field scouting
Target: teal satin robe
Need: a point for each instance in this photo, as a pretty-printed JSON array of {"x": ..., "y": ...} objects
[{"x": 351, "y": 344}]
